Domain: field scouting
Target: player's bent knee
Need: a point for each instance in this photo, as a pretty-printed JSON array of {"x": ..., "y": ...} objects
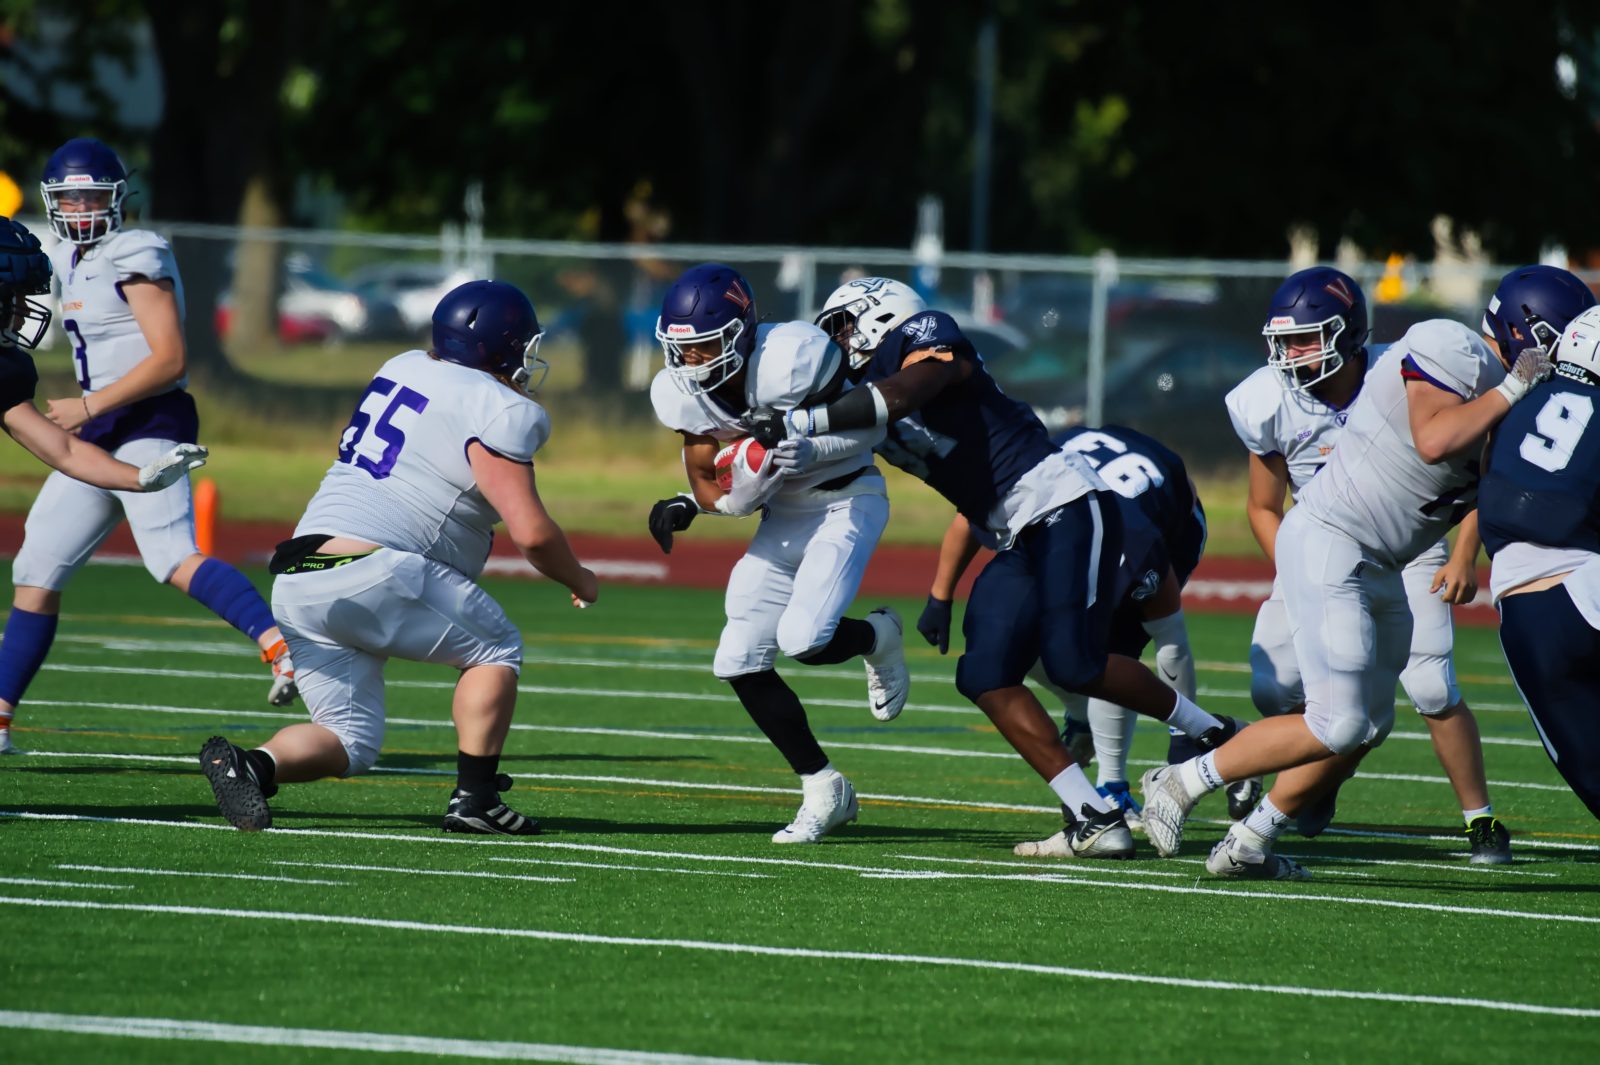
[
  {"x": 1430, "y": 690},
  {"x": 1342, "y": 734},
  {"x": 361, "y": 751},
  {"x": 800, "y": 638},
  {"x": 1074, "y": 672}
]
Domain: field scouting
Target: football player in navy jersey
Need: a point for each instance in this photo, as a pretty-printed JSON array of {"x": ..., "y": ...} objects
[
  {"x": 1164, "y": 533},
  {"x": 1049, "y": 593},
  {"x": 1539, "y": 513},
  {"x": 24, "y": 274}
]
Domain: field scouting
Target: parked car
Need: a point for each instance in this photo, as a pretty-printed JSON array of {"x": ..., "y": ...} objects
[
  {"x": 314, "y": 306},
  {"x": 413, "y": 288}
]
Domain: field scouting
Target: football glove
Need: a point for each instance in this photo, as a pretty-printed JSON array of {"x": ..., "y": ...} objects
[
  {"x": 794, "y": 455},
  {"x": 670, "y": 516},
  {"x": 934, "y": 624},
  {"x": 767, "y": 425},
  {"x": 1531, "y": 367},
  {"x": 172, "y": 467},
  {"x": 751, "y": 489}
]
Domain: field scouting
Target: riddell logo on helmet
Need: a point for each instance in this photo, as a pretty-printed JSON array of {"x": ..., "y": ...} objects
[
  {"x": 1283, "y": 319},
  {"x": 680, "y": 329}
]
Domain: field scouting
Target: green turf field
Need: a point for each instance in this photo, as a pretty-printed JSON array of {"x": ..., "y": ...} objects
[{"x": 654, "y": 918}]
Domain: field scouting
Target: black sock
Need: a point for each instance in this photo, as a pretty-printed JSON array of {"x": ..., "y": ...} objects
[
  {"x": 264, "y": 767},
  {"x": 850, "y": 639},
  {"x": 475, "y": 772},
  {"x": 777, "y": 712}
]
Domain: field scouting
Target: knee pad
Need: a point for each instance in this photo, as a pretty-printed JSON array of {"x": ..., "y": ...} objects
[
  {"x": 801, "y": 636},
  {"x": 1273, "y": 689},
  {"x": 1071, "y": 669},
  {"x": 1430, "y": 686},
  {"x": 361, "y": 751},
  {"x": 1344, "y": 734}
]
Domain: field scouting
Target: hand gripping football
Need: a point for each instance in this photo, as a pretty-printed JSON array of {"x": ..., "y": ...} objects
[{"x": 747, "y": 450}]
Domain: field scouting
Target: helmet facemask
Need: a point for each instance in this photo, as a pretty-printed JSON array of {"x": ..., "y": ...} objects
[
  {"x": 1306, "y": 367},
  {"x": 22, "y": 321},
  {"x": 698, "y": 377},
  {"x": 523, "y": 377},
  {"x": 84, "y": 211}
]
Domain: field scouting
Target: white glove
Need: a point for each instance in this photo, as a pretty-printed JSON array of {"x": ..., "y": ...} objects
[
  {"x": 752, "y": 489},
  {"x": 172, "y": 467},
  {"x": 1531, "y": 367},
  {"x": 794, "y": 455}
]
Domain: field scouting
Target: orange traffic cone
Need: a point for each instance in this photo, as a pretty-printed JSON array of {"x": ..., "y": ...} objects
[{"x": 207, "y": 504}]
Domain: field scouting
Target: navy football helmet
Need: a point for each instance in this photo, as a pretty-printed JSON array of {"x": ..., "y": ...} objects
[
  {"x": 24, "y": 272},
  {"x": 1321, "y": 304},
  {"x": 84, "y": 186},
  {"x": 1532, "y": 307},
  {"x": 709, "y": 304},
  {"x": 490, "y": 326}
]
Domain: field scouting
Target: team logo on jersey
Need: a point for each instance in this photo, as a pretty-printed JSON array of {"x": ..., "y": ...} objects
[
  {"x": 921, "y": 329},
  {"x": 1148, "y": 585},
  {"x": 1302, "y": 436},
  {"x": 1341, "y": 418},
  {"x": 737, "y": 295},
  {"x": 1341, "y": 290}
]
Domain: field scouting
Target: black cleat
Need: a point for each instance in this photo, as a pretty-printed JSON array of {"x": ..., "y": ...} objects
[
  {"x": 487, "y": 815},
  {"x": 1212, "y": 738},
  {"x": 233, "y": 781},
  {"x": 1491, "y": 843},
  {"x": 1242, "y": 797}
]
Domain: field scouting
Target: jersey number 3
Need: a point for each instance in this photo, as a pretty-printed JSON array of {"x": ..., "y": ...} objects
[
  {"x": 1560, "y": 424},
  {"x": 378, "y": 451}
]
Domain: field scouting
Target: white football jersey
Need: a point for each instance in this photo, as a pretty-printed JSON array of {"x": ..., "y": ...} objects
[
  {"x": 1375, "y": 487},
  {"x": 402, "y": 478},
  {"x": 105, "y": 338},
  {"x": 791, "y": 363},
  {"x": 1273, "y": 420}
]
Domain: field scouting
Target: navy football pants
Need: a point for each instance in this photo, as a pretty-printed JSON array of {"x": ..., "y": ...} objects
[
  {"x": 1048, "y": 598},
  {"x": 1555, "y": 660}
]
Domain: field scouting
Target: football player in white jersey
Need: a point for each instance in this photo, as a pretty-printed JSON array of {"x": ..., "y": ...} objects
[
  {"x": 122, "y": 310},
  {"x": 1406, "y": 470},
  {"x": 1289, "y": 414},
  {"x": 383, "y": 563},
  {"x": 823, "y": 507}
]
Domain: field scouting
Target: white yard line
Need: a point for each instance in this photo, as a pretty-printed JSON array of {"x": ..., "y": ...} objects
[
  {"x": 380, "y": 1042},
  {"x": 205, "y": 875},
  {"x": 30, "y": 881},
  {"x": 531, "y": 861},
  {"x": 1321, "y": 861},
  {"x": 763, "y": 950},
  {"x": 413, "y": 870}
]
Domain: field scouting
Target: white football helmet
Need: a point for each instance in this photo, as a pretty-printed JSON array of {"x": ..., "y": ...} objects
[
  {"x": 1580, "y": 343},
  {"x": 863, "y": 311}
]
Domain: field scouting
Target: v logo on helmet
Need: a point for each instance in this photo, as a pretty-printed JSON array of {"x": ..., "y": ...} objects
[
  {"x": 738, "y": 296},
  {"x": 1341, "y": 290}
]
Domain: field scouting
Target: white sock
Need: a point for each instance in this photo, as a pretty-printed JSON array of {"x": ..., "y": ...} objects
[
  {"x": 1189, "y": 718},
  {"x": 1466, "y": 815},
  {"x": 1266, "y": 820},
  {"x": 1173, "y": 657},
  {"x": 1074, "y": 790},
  {"x": 812, "y": 781},
  {"x": 1199, "y": 776},
  {"x": 1112, "y": 727}
]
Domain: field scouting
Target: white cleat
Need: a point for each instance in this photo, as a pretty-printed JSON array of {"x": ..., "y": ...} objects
[
  {"x": 888, "y": 680},
  {"x": 1246, "y": 855},
  {"x": 1166, "y": 807},
  {"x": 6, "y": 747},
  {"x": 826, "y": 804},
  {"x": 1098, "y": 835}
]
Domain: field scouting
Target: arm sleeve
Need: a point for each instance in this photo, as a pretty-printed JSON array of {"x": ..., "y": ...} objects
[
  {"x": 517, "y": 432},
  {"x": 831, "y": 447}
]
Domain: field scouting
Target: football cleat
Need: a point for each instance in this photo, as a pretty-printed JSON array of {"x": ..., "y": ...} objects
[
  {"x": 1245, "y": 855},
  {"x": 1243, "y": 796},
  {"x": 283, "y": 688},
  {"x": 888, "y": 680},
  {"x": 6, "y": 746},
  {"x": 1166, "y": 807},
  {"x": 1491, "y": 843},
  {"x": 487, "y": 814},
  {"x": 828, "y": 801},
  {"x": 1078, "y": 739},
  {"x": 1117, "y": 794},
  {"x": 1215, "y": 737},
  {"x": 234, "y": 783},
  {"x": 1095, "y": 835}
]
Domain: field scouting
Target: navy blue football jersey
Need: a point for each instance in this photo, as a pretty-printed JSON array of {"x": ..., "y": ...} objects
[
  {"x": 1153, "y": 479},
  {"x": 18, "y": 377},
  {"x": 1542, "y": 481},
  {"x": 971, "y": 442}
]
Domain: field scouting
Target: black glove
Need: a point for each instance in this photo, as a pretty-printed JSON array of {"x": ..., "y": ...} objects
[
  {"x": 934, "y": 624},
  {"x": 766, "y": 424},
  {"x": 669, "y": 516}
]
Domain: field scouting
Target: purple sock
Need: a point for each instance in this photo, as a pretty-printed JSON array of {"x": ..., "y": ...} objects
[
  {"x": 229, "y": 594},
  {"x": 27, "y": 640}
]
